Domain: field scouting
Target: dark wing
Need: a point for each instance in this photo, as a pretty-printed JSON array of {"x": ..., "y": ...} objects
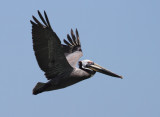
[
  {"x": 48, "y": 50},
  {"x": 72, "y": 49}
]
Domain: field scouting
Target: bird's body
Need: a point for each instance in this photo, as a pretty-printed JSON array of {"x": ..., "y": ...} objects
[
  {"x": 65, "y": 80},
  {"x": 59, "y": 61}
]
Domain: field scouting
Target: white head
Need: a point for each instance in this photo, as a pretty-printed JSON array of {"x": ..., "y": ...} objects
[
  {"x": 92, "y": 68},
  {"x": 85, "y": 63}
]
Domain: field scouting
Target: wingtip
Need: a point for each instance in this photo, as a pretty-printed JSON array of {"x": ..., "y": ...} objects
[
  {"x": 45, "y": 12},
  {"x": 31, "y": 21},
  {"x": 76, "y": 30},
  {"x": 66, "y": 42},
  {"x": 34, "y": 17},
  {"x": 121, "y": 77},
  {"x": 68, "y": 36},
  {"x": 38, "y": 12},
  {"x": 77, "y": 33},
  {"x": 46, "y": 17},
  {"x": 71, "y": 30}
]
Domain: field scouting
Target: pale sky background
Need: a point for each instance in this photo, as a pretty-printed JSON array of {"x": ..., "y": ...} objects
[{"x": 120, "y": 35}]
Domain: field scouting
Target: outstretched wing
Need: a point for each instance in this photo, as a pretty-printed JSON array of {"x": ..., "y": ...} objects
[
  {"x": 48, "y": 50},
  {"x": 72, "y": 49}
]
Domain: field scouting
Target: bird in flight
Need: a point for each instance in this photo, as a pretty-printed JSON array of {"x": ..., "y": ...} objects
[{"x": 59, "y": 61}]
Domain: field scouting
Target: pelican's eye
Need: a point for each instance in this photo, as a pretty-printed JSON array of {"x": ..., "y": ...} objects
[
  {"x": 89, "y": 63},
  {"x": 80, "y": 63}
]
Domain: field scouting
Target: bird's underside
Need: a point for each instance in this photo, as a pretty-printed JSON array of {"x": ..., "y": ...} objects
[
  {"x": 59, "y": 61},
  {"x": 60, "y": 82}
]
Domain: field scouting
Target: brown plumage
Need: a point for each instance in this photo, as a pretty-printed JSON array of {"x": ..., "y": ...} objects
[{"x": 57, "y": 60}]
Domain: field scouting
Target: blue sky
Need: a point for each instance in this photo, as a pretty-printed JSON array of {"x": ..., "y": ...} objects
[{"x": 120, "y": 35}]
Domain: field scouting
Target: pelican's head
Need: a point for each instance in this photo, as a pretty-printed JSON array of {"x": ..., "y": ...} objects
[{"x": 92, "y": 67}]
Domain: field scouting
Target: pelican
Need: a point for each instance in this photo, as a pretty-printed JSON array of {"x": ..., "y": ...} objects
[{"x": 59, "y": 61}]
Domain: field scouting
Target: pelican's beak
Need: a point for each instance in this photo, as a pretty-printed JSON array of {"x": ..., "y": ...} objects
[{"x": 100, "y": 69}]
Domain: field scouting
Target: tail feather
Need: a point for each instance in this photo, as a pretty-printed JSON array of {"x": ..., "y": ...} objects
[{"x": 38, "y": 88}]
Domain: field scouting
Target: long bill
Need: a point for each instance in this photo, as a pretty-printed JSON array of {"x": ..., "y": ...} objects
[{"x": 100, "y": 69}]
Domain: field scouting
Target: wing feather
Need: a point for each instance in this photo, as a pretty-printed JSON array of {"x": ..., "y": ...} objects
[
  {"x": 73, "y": 37},
  {"x": 67, "y": 43},
  {"x": 47, "y": 19},
  {"x": 72, "y": 50},
  {"x": 70, "y": 40},
  {"x": 77, "y": 35},
  {"x": 48, "y": 50},
  {"x": 40, "y": 15}
]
